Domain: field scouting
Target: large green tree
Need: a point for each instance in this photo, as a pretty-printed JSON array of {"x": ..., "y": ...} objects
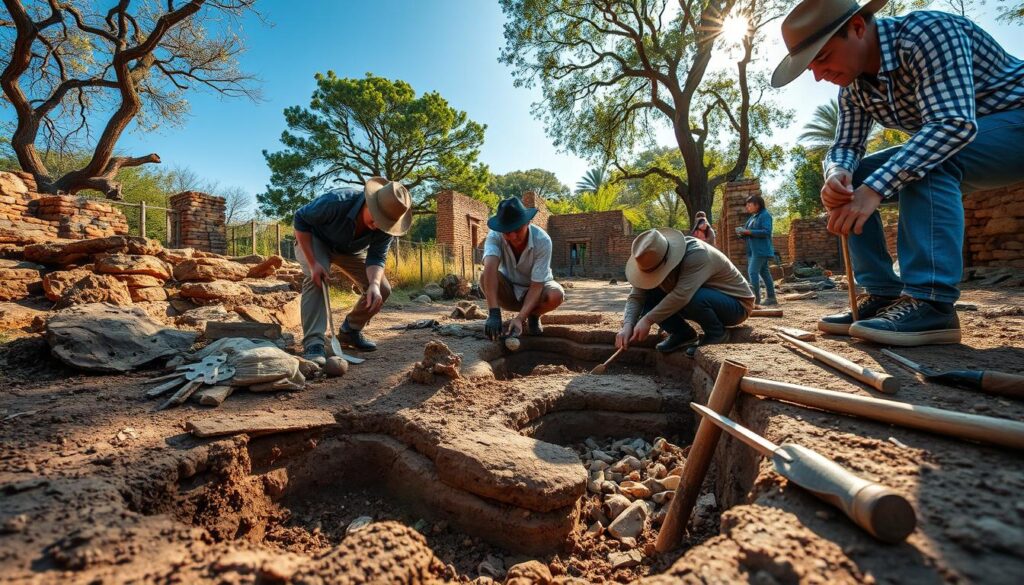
[
  {"x": 69, "y": 65},
  {"x": 540, "y": 181},
  {"x": 613, "y": 71},
  {"x": 355, "y": 129}
]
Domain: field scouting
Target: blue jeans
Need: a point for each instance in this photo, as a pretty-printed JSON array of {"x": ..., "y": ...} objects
[
  {"x": 757, "y": 268},
  {"x": 713, "y": 310},
  {"x": 930, "y": 239}
]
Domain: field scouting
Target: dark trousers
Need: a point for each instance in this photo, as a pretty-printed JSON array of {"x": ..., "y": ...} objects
[{"x": 713, "y": 310}]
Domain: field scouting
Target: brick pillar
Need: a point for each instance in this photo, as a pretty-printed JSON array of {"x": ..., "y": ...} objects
[
  {"x": 200, "y": 221},
  {"x": 734, "y": 215},
  {"x": 531, "y": 199}
]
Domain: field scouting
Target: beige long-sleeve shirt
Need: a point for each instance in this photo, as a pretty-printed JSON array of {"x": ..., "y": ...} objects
[{"x": 702, "y": 265}]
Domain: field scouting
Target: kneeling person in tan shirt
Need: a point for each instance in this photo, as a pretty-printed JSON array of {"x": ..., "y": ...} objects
[{"x": 675, "y": 278}]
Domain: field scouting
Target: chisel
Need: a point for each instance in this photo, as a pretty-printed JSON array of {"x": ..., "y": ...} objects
[
  {"x": 879, "y": 510},
  {"x": 985, "y": 380}
]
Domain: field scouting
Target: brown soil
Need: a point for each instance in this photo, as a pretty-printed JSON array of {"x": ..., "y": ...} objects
[{"x": 98, "y": 488}]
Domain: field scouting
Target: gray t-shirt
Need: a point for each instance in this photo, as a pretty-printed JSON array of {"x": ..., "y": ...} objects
[{"x": 534, "y": 264}]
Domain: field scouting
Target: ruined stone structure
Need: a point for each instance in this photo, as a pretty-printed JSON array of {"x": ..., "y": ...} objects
[
  {"x": 600, "y": 242},
  {"x": 810, "y": 241},
  {"x": 27, "y": 216},
  {"x": 994, "y": 233},
  {"x": 732, "y": 216},
  {"x": 531, "y": 199},
  {"x": 461, "y": 222},
  {"x": 199, "y": 221}
]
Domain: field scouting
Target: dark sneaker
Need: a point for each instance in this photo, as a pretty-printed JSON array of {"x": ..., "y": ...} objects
[
  {"x": 355, "y": 339},
  {"x": 771, "y": 302},
  {"x": 692, "y": 350},
  {"x": 534, "y": 327},
  {"x": 867, "y": 307},
  {"x": 315, "y": 353},
  {"x": 911, "y": 322},
  {"x": 676, "y": 341}
]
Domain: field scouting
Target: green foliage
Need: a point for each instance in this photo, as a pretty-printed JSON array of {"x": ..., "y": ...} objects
[
  {"x": 424, "y": 228},
  {"x": 540, "y": 181},
  {"x": 592, "y": 180},
  {"x": 608, "y": 197},
  {"x": 355, "y": 129}
]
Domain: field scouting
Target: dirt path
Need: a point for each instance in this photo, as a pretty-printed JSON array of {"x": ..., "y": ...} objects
[{"x": 82, "y": 453}]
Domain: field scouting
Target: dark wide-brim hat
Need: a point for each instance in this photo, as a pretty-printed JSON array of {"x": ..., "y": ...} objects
[
  {"x": 809, "y": 26},
  {"x": 511, "y": 215}
]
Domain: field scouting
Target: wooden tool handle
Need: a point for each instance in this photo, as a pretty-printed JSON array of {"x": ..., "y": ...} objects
[
  {"x": 766, "y": 313},
  {"x": 878, "y": 381},
  {"x": 851, "y": 287},
  {"x": 614, "y": 355},
  {"x": 1003, "y": 383},
  {"x": 986, "y": 429},
  {"x": 881, "y": 511}
]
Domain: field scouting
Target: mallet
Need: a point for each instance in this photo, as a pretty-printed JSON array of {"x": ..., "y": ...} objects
[
  {"x": 884, "y": 513},
  {"x": 721, "y": 400}
]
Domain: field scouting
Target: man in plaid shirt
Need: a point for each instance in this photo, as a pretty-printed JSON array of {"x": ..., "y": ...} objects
[{"x": 945, "y": 81}]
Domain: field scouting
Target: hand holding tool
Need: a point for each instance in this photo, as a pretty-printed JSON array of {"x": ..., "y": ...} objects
[
  {"x": 987, "y": 381},
  {"x": 882, "y": 512}
]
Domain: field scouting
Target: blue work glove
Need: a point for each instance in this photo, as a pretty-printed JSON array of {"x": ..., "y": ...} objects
[{"x": 492, "y": 326}]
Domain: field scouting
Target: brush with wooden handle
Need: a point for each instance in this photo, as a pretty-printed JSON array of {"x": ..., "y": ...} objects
[
  {"x": 988, "y": 381},
  {"x": 881, "y": 511}
]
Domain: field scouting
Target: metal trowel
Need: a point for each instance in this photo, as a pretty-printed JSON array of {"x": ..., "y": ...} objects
[{"x": 332, "y": 345}]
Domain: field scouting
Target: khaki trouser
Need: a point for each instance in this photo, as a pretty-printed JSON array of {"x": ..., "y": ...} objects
[
  {"x": 312, "y": 309},
  {"x": 507, "y": 295}
]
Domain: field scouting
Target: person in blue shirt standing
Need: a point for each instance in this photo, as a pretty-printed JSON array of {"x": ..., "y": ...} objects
[
  {"x": 758, "y": 235},
  {"x": 352, "y": 229},
  {"x": 945, "y": 81}
]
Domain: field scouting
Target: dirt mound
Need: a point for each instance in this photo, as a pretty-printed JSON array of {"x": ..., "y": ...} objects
[
  {"x": 549, "y": 370},
  {"x": 437, "y": 359},
  {"x": 384, "y": 552}
]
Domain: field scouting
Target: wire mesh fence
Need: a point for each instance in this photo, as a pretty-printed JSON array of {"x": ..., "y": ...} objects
[
  {"x": 418, "y": 263},
  {"x": 151, "y": 221},
  {"x": 265, "y": 239}
]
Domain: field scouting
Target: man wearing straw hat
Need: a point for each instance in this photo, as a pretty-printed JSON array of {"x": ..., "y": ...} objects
[
  {"x": 675, "y": 278},
  {"x": 352, "y": 229},
  {"x": 945, "y": 81},
  {"x": 517, "y": 271}
]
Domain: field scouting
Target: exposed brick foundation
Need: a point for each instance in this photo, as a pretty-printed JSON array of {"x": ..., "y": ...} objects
[
  {"x": 28, "y": 217},
  {"x": 810, "y": 241},
  {"x": 199, "y": 220}
]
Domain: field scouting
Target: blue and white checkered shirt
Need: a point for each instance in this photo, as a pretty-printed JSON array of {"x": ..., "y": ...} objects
[{"x": 939, "y": 72}]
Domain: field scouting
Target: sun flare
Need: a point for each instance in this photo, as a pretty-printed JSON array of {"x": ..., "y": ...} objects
[{"x": 735, "y": 28}]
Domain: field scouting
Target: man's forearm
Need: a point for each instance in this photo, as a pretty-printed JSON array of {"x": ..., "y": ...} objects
[
  {"x": 531, "y": 300},
  {"x": 374, "y": 274},
  {"x": 489, "y": 282}
]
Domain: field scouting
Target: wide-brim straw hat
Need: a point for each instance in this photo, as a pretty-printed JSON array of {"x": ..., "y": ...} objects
[
  {"x": 809, "y": 26},
  {"x": 390, "y": 205},
  {"x": 655, "y": 253}
]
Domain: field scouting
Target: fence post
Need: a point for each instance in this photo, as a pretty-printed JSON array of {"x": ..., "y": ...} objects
[
  {"x": 421, "y": 265},
  {"x": 252, "y": 230},
  {"x": 277, "y": 236},
  {"x": 398, "y": 256},
  {"x": 167, "y": 218},
  {"x": 444, "y": 261},
  {"x": 142, "y": 219}
]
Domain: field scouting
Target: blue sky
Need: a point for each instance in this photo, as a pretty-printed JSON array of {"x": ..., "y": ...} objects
[{"x": 449, "y": 46}]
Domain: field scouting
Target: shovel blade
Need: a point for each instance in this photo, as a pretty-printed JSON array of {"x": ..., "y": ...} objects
[{"x": 334, "y": 347}]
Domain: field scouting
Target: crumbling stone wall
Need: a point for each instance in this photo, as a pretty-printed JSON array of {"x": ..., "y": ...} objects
[
  {"x": 994, "y": 234},
  {"x": 810, "y": 241},
  {"x": 200, "y": 221},
  {"x": 531, "y": 199},
  {"x": 461, "y": 222},
  {"x": 607, "y": 235},
  {"x": 28, "y": 217},
  {"x": 781, "y": 244}
]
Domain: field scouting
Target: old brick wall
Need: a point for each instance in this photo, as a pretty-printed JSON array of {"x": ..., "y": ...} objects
[
  {"x": 200, "y": 221},
  {"x": 781, "y": 244},
  {"x": 994, "y": 234},
  {"x": 531, "y": 199},
  {"x": 810, "y": 241},
  {"x": 29, "y": 217},
  {"x": 608, "y": 236},
  {"x": 459, "y": 219}
]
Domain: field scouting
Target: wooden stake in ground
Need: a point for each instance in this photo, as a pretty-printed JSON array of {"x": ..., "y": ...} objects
[
  {"x": 849, "y": 277},
  {"x": 722, "y": 398},
  {"x": 766, "y": 313},
  {"x": 881, "y": 382},
  {"x": 985, "y": 429}
]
